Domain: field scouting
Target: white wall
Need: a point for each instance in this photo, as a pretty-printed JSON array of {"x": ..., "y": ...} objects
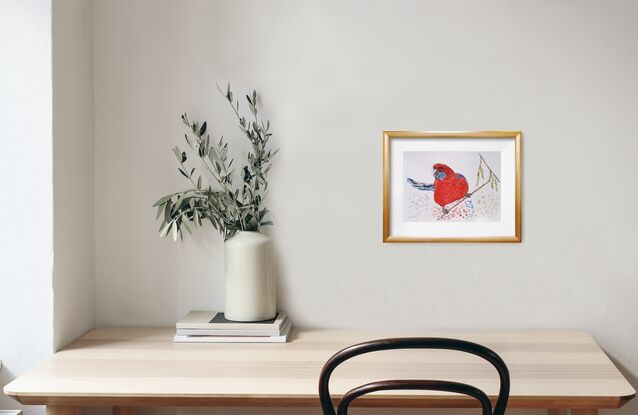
[
  {"x": 46, "y": 176},
  {"x": 334, "y": 75},
  {"x": 26, "y": 245},
  {"x": 73, "y": 190}
]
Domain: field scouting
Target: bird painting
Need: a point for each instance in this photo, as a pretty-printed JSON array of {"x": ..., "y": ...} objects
[
  {"x": 448, "y": 197},
  {"x": 448, "y": 186}
]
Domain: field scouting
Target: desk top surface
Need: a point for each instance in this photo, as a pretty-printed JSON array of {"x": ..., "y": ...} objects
[{"x": 142, "y": 366}]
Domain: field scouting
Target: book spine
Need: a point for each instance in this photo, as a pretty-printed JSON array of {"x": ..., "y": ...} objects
[
  {"x": 227, "y": 332},
  {"x": 212, "y": 339}
]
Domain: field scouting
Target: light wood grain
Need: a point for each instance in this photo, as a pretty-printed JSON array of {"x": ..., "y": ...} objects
[
  {"x": 61, "y": 410},
  {"x": 130, "y": 367}
]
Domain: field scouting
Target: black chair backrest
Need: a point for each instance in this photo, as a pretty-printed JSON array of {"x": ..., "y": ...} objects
[{"x": 413, "y": 384}]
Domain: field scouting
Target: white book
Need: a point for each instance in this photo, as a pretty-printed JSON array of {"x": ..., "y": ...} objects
[
  {"x": 227, "y": 332},
  {"x": 213, "y": 320},
  {"x": 282, "y": 338}
]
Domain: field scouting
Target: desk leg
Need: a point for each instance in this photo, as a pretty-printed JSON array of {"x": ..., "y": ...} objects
[
  {"x": 61, "y": 410},
  {"x": 584, "y": 411},
  {"x": 122, "y": 410}
]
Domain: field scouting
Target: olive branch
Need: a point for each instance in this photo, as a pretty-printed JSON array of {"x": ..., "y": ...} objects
[
  {"x": 228, "y": 208},
  {"x": 492, "y": 180}
]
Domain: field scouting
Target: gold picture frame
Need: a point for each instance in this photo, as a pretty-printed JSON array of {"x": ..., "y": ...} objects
[{"x": 389, "y": 136}]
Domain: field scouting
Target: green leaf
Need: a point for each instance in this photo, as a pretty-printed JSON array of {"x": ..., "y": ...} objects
[
  {"x": 175, "y": 231},
  {"x": 162, "y": 200},
  {"x": 167, "y": 211},
  {"x": 182, "y": 202},
  {"x": 166, "y": 230},
  {"x": 185, "y": 223},
  {"x": 229, "y": 93}
]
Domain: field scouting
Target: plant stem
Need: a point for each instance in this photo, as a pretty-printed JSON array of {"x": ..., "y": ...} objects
[{"x": 488, "y": 167}]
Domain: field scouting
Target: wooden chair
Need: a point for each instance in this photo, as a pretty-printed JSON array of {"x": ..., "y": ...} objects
[{"x": 413, "y": 384}]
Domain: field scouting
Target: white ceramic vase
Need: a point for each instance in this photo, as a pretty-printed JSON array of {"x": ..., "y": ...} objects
[{"x": 250, "y": 279}]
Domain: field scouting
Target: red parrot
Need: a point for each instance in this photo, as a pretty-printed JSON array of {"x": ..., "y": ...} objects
[{"x": 448, "y": 186}]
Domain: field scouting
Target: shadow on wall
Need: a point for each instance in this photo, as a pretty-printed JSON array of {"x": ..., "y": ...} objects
[{"x": 281, "y": 290}]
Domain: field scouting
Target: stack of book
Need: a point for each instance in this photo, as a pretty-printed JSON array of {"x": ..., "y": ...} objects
[{"x": 212, "y": 327}]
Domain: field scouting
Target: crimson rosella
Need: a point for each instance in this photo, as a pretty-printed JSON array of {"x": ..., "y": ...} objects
[{"x": 448, "y": 186}]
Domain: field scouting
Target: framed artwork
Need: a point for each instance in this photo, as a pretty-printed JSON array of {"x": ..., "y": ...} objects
[{"x": 452, "y": 186}]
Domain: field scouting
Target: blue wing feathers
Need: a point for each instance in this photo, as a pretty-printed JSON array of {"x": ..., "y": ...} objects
[{"x": 421, "y": 186}]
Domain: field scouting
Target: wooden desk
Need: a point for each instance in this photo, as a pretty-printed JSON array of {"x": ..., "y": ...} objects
[{"x": 124, "y": 368}]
